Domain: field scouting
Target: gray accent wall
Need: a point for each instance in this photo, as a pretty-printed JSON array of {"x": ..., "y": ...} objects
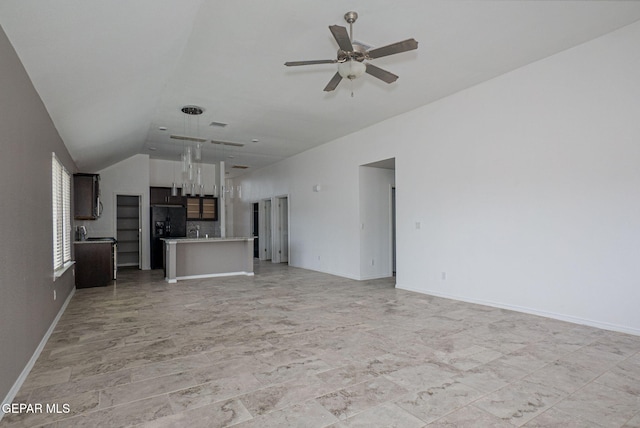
[{"x": 27, "y": 139}]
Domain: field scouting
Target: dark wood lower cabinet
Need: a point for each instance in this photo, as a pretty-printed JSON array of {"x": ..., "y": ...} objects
[{"x": 94, "y": 264}]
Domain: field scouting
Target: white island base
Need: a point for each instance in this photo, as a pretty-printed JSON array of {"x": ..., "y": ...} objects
[{"x": 192, "y": 258}]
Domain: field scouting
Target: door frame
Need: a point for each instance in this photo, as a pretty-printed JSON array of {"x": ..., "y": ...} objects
[{"x": 140, "y": 221}]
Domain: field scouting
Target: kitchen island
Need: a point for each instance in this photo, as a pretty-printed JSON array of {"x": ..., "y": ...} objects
[{"x": 192, "y": 258}]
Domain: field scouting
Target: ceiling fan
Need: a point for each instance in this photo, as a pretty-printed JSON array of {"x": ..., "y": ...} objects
[{"x": 352, "y": 54}]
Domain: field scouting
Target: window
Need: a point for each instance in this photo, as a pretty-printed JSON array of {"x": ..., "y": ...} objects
[{"x": 61, "y": 209}]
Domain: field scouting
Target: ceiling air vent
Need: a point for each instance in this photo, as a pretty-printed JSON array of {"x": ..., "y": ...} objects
[
  {"x": 240, "y": 166},
  {"x": 182, "y": 137},
  {"x": 220, "y": 124},
  {"x": 226, "y": 143}
]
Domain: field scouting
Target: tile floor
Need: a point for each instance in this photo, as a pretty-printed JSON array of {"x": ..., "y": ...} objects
[{"x": 295, "y": 348}]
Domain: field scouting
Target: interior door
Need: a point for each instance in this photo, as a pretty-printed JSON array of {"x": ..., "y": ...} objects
[
  {"x": 264, "y": 235},
  {"x": 393, "y": 230},
  {"x": 283, "y": 229},
  {"x": 255, "y": 228}
]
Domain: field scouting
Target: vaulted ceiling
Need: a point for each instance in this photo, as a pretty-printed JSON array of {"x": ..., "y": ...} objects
[{"x": 114, "y": 74}]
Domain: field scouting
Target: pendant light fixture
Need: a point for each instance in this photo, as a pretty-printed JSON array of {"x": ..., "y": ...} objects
[
  {"x": 216, "y": 192},
  {"x": 191, "y": 157},
  {"x": 174, "y": 186},
  {"x": 226, "y": 184},
  {"x": 215, "y": 178}
]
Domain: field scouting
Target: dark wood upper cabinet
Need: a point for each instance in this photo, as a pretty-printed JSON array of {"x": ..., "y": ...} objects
[
  {"x": 86, "y": 196},
  {"x": 193, "y": 208},
  {"x": 202, "y": 208},
  {"x": 209, "y": 208},
  {"x": 162, "y": 196}
]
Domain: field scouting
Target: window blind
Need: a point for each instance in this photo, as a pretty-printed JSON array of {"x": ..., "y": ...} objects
[
  {"x": 66, "y": 214},
  {"x": 61, "y": 213}
]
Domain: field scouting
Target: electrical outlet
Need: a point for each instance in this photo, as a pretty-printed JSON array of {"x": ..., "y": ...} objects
[
  {"x": 372, "y": 262},
  {"x": 444, "y": 276},
  {"x": 418, "y": 225}
]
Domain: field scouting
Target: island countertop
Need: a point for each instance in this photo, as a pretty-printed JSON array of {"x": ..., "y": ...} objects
[
  {"x": 192, "y": 258},
  {"x": 180, "y": 240}
]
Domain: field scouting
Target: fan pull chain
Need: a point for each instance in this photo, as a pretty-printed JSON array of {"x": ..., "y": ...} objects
[{"x": 351, "y": 81}]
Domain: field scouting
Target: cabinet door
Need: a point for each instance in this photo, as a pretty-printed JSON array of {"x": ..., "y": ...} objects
[
  {"x": 94, "y": 265},
  {"x": 176, "y": 200},
  {"x": 193, "y": 208},
  {"x": 85, "y": 196},
  {"x": 162, "y": 196},
  {"x": 209, "y": 209},
  {"x": 159, "y": 195}
]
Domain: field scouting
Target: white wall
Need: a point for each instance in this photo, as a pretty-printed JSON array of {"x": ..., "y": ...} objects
[
  {"x": 526, "y": 188},
  {"x": 324, "y": 233},
  {"x": 129, "y": 177}
]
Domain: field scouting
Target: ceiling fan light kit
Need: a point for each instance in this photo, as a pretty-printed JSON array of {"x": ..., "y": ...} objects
[
  {"x": 352, "y": 55},
  {"x": 351, "y": 69}
]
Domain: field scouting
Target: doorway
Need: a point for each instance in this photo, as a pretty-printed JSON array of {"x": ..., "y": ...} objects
[
  {"x": 128, "y": 230},
  {"x": 377, "y": 202},
  {"x": 281, "y": 242}
]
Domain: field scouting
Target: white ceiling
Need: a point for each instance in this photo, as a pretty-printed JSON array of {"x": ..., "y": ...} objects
[{"x": 112, "y": 72}]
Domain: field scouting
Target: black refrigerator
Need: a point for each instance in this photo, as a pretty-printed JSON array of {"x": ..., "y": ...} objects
[{"x": 167, "y": 221}]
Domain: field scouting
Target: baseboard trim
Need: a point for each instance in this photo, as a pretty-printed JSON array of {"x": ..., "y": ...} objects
[
  {"x": 315, "y": 269},
  {"x": 27, "y": 369},
  {"x": 381, "y": 276},
  {"x": 527, "y": 310},
  {"x": 209, "y": 275}
]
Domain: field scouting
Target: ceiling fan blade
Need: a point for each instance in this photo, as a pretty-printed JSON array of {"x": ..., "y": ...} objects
[
  {"x": 342, "y": 37},
  {"x": 394, "y": 48},
  {"x": 381, "y": 74},
  {"x": 315, "y": 61},
  {"x": 333, "y": 82}
]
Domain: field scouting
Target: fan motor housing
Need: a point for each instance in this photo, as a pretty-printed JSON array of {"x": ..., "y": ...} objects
[{"x": 359, "y": 53}]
